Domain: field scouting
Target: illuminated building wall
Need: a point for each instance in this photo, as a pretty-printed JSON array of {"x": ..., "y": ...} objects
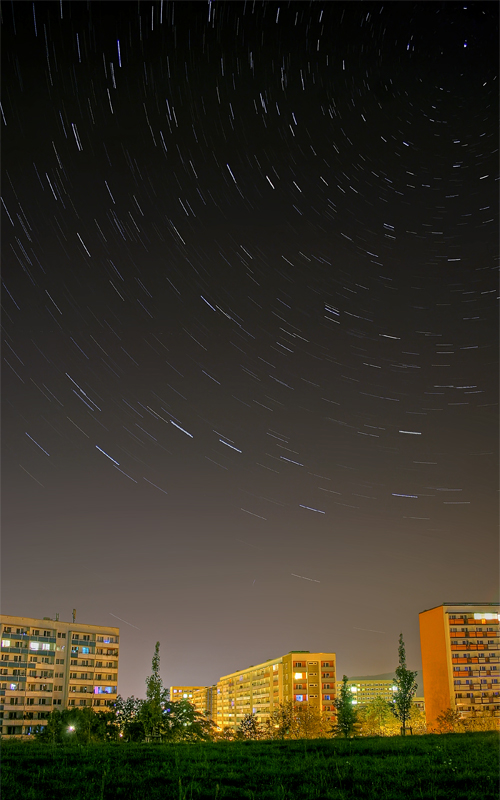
[
  {"x": 203, "y": 698},
  {"x": 365, "y": 690},
  {"x": 460, "y": 659},
  {"x": 47, "y": 664},
  {"x": 205, "y": 701},
  {"x": 299, "y": 676},
  {"x": 184, "y": 692}
]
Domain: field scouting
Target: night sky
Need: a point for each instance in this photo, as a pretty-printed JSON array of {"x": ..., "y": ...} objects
[{"x": 250, "y": 330}]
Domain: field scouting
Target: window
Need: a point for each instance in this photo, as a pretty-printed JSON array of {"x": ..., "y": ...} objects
[
  {"x": 59, "y": 660},
  {"x": 326, "y": 697},
  {"x": 47, "y": 633},
  {"x": 5, "y": 642},
  {"x": 299, "y": 698},
  {"x": 61, "y": 635}
]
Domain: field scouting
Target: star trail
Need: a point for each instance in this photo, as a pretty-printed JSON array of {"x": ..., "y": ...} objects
[{"x": 250, "y": 326}]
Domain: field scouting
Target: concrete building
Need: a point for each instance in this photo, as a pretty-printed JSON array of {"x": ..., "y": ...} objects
[
  {"x": 299, "y": 676},
  {"x": 46, "y": 664},
  {"x": 205, "y": 701},
  {"x": 185, "y": 693},
  {"x": 460, "y": 659},
  {"x": 203, "y": 698},
  {"x": 366, "y": 688}
]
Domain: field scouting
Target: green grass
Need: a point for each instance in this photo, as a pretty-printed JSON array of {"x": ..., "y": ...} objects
[{"x": 452, "y": 766}]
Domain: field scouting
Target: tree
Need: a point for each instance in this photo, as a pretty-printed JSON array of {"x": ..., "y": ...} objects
[
  {"x": 375, "y": 717},
  {"x": 79, "y": 726},
  {"x": 151, "y": 711},
  {"x": 346, "y": 714},
  {"x": 406, "y": 688},
  {"x": 309, "y": 722},
  {"x": 181, "y": 722},
  {"x": 249, "y": 727},
  {"x": 281, "y": 723},
  {"x": 418, "y": 721},
  {"x": 129, "y": 720}
]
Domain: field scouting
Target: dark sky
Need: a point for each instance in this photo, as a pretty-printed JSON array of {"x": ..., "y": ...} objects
[{"x": 250, "y": 328}]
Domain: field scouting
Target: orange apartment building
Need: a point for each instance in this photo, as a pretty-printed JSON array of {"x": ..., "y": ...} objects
[
  {"x": 460, "y": 647},
  {"x": 299, "y": 676}
]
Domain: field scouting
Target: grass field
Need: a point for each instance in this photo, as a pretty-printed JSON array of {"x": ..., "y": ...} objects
[{"x": 452, "y": 766}]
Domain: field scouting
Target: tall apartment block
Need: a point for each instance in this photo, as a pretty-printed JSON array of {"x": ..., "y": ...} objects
[
  {"x": 460, "y": 646},
  {"x": 299, "y": 676},
  {"x": 46, "y": 664}
]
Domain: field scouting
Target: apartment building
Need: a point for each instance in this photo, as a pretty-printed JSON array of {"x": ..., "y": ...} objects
[
  {"x": 364, "y": 690},
  {"x": 189, "y": 693},
  {"x": 205, "y": 701},
  {"x": 46, "y": 663},
  {"x": 367, "y": 687},
  {"x": 203, "y": 698},
  {"x": 460, "y": 646},
  {"x": 299, "y": 676}
]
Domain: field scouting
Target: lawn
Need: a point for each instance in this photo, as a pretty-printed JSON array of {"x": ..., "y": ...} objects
[{"x": 449, "y": 766}]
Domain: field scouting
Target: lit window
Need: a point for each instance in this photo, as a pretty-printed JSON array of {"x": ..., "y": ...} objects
[
  {"x": 34, "y": 645},
  {"x": 298, "y": 676},
  {"x": 5, "y": 642},
  {"x": 299, "y": 697},
  {"x": 327, "y": 697}
]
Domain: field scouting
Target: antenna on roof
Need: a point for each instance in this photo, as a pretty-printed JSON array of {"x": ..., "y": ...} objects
[{"x": 74, "y": 614}]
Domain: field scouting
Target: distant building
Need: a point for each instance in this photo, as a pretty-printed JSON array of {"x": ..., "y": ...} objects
[
  {"x": 460, "y": 658},
  {"x": 203, "y": 698},
  {"x": 198, "y": 696},
  {"x": 46, "y": 664},
  {"x": 367, "y": 687},
  {"x": 299, "y": 676},
  {"x": 205, "y": 701}
]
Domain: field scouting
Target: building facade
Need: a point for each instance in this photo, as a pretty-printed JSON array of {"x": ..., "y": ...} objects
[
  {"x": 367, "y": 688},
  {"x": 46, "y": 664},
  {"x": 203, "y": 698},
  {"x": 205, "y": 701},
  {"x": 299, "y": 676},
  {"x": 460, "y": 659},
  {"x": 189, "y": 693},
  {"x": 364, "y": 690}
]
